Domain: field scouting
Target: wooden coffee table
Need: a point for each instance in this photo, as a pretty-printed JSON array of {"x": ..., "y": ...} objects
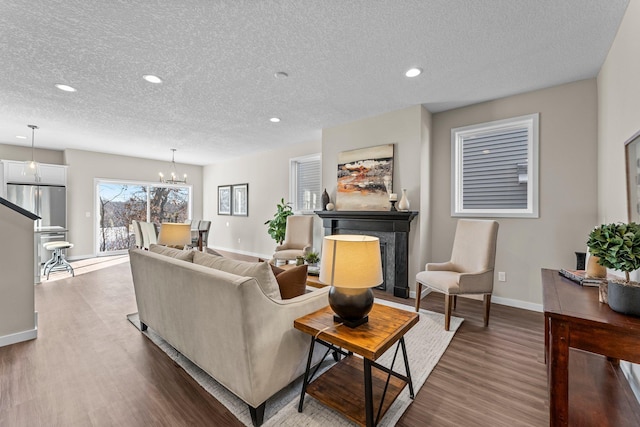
[{"x": 342, "y": 387}]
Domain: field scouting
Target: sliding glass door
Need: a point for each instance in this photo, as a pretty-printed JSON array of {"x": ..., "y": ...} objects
[{"x": 118, "y": 203}]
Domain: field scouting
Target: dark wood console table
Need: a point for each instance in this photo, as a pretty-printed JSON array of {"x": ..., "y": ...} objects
[{"x": 575, "y": 319}]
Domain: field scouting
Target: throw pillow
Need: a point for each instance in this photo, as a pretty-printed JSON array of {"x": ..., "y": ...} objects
[
  {"x": 259, "y": 270},
  {"x": 292, "y": 281},
  {"x": 172, "y": 252}
]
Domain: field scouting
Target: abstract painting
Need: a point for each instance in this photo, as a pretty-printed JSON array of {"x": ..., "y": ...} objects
[{"x": 365, "y": 179}]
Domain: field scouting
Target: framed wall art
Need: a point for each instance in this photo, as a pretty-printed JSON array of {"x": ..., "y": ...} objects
[
  {"x": 224, "y": 200},
  {"x": 240, "y": 200},
  {"x": 365, "y": 179}
]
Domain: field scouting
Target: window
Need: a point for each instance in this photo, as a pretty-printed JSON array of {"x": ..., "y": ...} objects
[
  {"x": 495, "y": 168},
  {"x": 119, "y": 203},
  {"x": 305, "y": 182}
]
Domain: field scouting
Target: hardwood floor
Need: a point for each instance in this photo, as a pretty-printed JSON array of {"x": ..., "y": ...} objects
[{"x": 89, "y": 366}]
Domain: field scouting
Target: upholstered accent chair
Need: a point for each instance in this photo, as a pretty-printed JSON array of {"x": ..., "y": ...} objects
[
  {"x": 470, "y": 270},
  {"x": 298, "y": 238}
]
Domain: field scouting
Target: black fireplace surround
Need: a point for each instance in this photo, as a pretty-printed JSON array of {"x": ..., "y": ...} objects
[{"x": 392, "y": 228}]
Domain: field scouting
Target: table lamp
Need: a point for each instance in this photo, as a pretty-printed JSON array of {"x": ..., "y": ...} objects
[
  {"x": 351, "y": 264},
  {"x": 174, "y": 234}
]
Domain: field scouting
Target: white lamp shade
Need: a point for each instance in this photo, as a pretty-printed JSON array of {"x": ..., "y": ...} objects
[
  {"x": 174, "y": 234},
  {"x": 351, "y": 261}
]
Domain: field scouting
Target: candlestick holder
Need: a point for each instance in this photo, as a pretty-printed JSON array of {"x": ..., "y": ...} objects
[{"x": 393, "y": 205}]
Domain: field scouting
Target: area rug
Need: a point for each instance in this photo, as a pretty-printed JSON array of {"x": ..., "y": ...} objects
[{"x": 426, "y": 342}]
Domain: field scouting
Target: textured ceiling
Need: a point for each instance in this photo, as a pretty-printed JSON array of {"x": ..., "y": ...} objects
[{"x": 345, "y": 59}]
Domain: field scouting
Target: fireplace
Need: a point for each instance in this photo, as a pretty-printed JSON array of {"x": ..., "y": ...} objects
[{"x": 392, "y": 228}]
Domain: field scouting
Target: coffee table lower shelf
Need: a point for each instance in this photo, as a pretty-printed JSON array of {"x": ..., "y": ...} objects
[{"x": 342, "y": 388}]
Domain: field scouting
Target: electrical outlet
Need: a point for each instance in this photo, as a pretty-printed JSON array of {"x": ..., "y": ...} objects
[
  {"x": 238, "y": 240},
  {"x": 502, "y": 276},
  {"x": 87, "y": 214},
  {"x": 227, "y": 223}
]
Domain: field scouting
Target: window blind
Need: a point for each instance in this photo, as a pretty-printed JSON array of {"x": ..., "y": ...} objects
[
  {"x": 492, "y": 170},
  {"x": 308, "y": 191}
]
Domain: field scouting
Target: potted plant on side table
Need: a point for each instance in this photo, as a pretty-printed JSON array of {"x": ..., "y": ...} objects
[{"x": 618, "y": 247}]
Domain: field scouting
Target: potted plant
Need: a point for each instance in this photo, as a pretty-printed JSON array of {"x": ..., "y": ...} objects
[
  {"x": 618, "y": 247},
  {"x": 278, "y": 225},
  {"x": 312, "y": 258}
]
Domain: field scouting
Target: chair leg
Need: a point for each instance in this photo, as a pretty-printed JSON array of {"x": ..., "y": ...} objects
[
  {"x": 418, "y": 295},
  {"x": 448, "y": 300},
  {"x": 487, "y": 308},
  {"x": 455, "y": 301}
]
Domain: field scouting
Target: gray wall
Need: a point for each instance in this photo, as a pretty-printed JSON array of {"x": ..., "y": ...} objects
[
  {"x": 267, "y": 174},
  {"x": 618, "y": 120},
  {"x": 409, "y": 130},
  {"x": 16, "y": 279},
  {"x": 86, "y": 166},
  {"x": 567, "y": 191},
  {"x": 16, "y": 152}
]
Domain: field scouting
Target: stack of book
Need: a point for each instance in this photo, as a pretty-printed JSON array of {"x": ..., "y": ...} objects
[{"x": 579, "y": 276}]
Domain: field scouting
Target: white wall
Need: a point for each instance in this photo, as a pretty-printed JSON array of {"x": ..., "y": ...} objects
[
  {"x": 85, "y": 166},
  {"x": 409, "y": 130},
  {"x": 618, "y": 120},
  {"x": 568, "y": 196},
  {"x": 267, "y": 174},
  {"x": 17, "y": 318}
]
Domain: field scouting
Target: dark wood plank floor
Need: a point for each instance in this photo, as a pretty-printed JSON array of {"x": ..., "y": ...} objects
[{"x": 89, "y": 366}]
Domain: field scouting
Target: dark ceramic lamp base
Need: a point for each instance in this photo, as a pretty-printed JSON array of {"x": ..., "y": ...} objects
[{"x": 351, "y": 305}]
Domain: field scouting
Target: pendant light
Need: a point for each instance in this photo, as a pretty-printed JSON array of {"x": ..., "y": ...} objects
[
  {"x": 31, "y": 168},
  {"x": 174, "y": 176}
]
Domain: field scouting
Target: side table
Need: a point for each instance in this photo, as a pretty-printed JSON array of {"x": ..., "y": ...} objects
[{"x": 351, "y": 386}]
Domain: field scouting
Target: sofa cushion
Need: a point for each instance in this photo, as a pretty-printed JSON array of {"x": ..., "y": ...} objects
[
  {"x": 292, "y": 281},
  {"x": 258, "y": 270},
  {"x": 172, "y": 252}
]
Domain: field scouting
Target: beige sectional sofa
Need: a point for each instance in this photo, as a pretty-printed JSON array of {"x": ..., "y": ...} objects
[{"x": 225, "y": 322}]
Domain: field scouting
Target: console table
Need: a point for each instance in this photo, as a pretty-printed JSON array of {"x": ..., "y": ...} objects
[{"x": 575, "y": 319}]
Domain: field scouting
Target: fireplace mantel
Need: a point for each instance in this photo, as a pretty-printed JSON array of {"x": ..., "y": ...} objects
[{"x": 393, "y": 230}]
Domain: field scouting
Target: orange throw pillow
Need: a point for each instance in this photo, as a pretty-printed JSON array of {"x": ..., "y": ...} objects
[{"x": 292, "y": 282}]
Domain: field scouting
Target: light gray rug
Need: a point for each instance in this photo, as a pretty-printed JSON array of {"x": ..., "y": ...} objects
[{"x": 426, "y": 342}]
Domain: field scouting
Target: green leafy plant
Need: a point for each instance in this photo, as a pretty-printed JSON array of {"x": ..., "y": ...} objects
[
  {"x": 617, "y": 245},
  {"x": 278, "y": 225},
  {"x": 312, "y": 257}
]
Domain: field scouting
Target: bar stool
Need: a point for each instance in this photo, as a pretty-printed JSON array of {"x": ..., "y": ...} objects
[{"x": 57, "y": 261}]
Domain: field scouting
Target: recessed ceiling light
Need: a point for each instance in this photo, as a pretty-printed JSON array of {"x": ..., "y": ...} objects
[
  {"x": 281, "y": 75},
  {"x": 65, "y": 88},
  {"x": 152, "y": 79},
  {"x": 21, "y": 137},
  {"x": 413, "y": 72},
  {"x": 274, "y": 119}
]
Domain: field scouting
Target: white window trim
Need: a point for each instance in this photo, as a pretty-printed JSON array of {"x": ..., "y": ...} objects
[
  {"x": 293, "y": 180},
  {"x": 531, "y": 121}
]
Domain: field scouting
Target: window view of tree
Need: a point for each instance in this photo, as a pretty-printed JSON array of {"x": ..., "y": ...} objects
[
  {"x": 120, "y": 203},
  {"x": 169, "y": 204}
]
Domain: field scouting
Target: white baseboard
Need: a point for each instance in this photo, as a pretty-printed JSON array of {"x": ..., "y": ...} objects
[
  {"x": 627, "y": 370},
  {"x": 27, "y": 335},
  {"x": 517, "y": 303},
  {"x": 497, "y": 300}
]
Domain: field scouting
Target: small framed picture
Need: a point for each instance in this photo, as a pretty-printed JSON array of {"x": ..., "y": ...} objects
[
  {"x": 240, "y": 200},
  {"x": 224, "y": 200}
]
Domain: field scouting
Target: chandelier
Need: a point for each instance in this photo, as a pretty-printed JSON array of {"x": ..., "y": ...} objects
[
  {"x": 174, "y": 176},
  {"x": 31, "y": 167}
]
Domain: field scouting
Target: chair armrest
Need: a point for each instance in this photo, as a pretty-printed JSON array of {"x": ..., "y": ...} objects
[
  {"x": 480, "y": 282},
  {"x": 440, "y": 266},
  {"x": 282, "y": 247}
]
